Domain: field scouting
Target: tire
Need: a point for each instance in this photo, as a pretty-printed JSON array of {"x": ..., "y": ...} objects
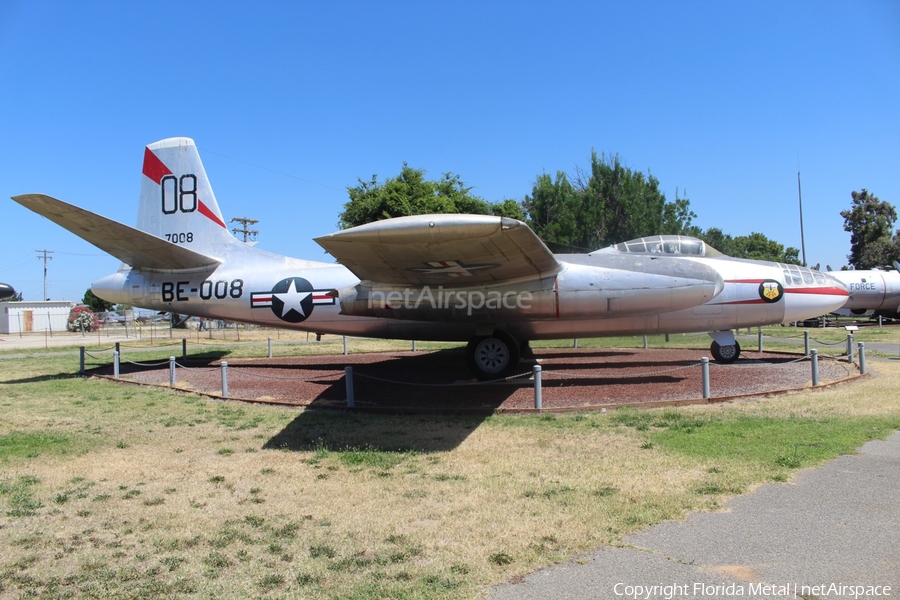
[
  {"x": 725, "y": 354},
  {"x": 492, "y": 357}
]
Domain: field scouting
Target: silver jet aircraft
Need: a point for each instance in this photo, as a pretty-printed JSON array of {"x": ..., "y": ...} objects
[
  {"x": 872, "y": 291},
  {"x": 485, "y": 280}
]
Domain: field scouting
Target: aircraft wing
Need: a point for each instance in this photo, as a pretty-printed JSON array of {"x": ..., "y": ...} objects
[
  {"x": 449, "y": 250},
  {"x": 132, "y": 246}
]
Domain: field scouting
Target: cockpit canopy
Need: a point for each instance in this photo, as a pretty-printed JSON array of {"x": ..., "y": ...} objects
[{"x": 665, "y": 244}]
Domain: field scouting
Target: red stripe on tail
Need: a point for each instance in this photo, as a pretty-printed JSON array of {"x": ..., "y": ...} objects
[
  {"x": 153, "y": 167},
  {"x": 204, "y": 210}
]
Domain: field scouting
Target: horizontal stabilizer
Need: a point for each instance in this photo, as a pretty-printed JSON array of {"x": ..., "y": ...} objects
[
  {"x": 451, "y": 250},
  {"x": 131, "y": 246}
]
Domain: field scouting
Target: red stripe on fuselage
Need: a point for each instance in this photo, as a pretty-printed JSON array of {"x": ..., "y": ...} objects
[
  {"x": 829, "y": 291},
  {"x": 153, "y": 167}
]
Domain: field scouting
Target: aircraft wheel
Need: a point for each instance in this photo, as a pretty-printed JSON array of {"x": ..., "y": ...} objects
[
  {"x": 492, "y": 357},
  {"x": 725, "y": 354}
]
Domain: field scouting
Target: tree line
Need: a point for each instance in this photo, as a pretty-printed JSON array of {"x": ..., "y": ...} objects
[
  {"x": 602, "y": 205},
  {"x": 605, "y": 204}
]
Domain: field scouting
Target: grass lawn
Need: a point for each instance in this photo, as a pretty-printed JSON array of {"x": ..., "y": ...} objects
[{"x": 113, "y": 491}]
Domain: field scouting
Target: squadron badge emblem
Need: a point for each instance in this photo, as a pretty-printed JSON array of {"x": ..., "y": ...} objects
[{"x": 771, "y": 291}]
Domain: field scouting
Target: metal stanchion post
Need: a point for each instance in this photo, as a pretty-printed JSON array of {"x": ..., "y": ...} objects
[
  {"x": 345, "y": 345},
  {"x": 862, "y": 358},
  {"x": 538, "y": 401},
  {"x": 575, "y": 345},
  {"x": 183, "y": 348},
  {"x": 348, "y": 378},
  {"x": 850, "y": 348},
  {"x": 224, "y": 379},
  {"x": 171, "y": 371},
  {"x": 805, "y": 342},
  {"x": 81, "y": 359},
  {"x": 645, "y": 342},
  {"x": 814, "y": 354},
  {"x": 759, "y": 337},
  {"x": 270, "y": 347},
  {"x": 704, "y": 372},
  {"x": 116, "y": 364}
]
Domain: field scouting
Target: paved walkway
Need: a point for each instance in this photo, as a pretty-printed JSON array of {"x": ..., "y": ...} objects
[{"x": 832, "y": 526}]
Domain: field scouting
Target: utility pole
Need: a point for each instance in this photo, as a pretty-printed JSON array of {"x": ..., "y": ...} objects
[
  {"x": 45, "y": 254},
  {"x": 248, "y": 233}
]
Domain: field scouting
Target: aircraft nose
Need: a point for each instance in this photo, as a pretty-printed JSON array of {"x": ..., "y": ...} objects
[{"x": 807, "y": 302}]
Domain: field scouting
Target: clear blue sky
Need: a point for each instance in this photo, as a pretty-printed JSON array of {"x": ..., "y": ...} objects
[{"x": 291, "y": 102}]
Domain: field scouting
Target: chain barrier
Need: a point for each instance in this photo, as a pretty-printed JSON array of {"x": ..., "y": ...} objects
[
  {"x": 558, "y": 375},
  {"x": 842, "y": 342},
  {"x": 759, "y": 365},
  {"x": 187, "y": 368},
  {"x": 233, "y": 369},
  {"x": 140, "y": 364},
  {"x": 574, "y": 375}
]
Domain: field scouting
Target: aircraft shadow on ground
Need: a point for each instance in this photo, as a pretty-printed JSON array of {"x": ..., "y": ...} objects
[
  {"x": 408, "y": 403},
  {"x": 332, "y": 430},
  {"x": 39, "y": 378}
]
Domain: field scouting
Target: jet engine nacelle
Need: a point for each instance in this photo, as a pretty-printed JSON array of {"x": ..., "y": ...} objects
[{"x": 579, "y": 292}]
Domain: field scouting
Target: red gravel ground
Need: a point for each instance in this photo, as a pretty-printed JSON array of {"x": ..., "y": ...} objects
[{"x": 572, "y": 379}]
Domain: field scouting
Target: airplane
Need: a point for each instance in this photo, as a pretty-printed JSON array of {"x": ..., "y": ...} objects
[
  {"x": 872, "y": 291},
  {"x": 485, "y": 280},
  {"x": 6, "y": 291}
]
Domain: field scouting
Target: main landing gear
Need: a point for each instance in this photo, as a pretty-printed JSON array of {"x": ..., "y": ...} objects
[{"x": 492, "y": 357}]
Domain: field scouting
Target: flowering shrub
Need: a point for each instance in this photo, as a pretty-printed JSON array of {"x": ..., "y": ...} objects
[{"x": 82, "y": 318}]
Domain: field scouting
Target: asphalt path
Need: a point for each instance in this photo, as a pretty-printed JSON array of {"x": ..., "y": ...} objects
[
  {"x": 749, "y": 344},
  {"x": 834, "y": 529}
]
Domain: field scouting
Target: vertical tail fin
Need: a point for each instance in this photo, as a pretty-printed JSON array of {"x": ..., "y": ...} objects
[{"x": 177, "y": 202}]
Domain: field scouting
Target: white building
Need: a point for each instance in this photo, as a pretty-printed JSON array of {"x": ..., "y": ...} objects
[{"x": 28, "y": 317}]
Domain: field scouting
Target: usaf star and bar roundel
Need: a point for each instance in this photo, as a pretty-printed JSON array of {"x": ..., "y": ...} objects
[{"x": 291, "y": 299}]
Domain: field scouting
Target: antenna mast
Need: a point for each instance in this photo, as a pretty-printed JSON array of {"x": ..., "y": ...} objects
[{"x": 802, "y": 240}]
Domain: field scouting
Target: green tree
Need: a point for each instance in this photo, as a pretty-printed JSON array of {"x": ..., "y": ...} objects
[
  {"x": 17, "y": 297},
  {"x": 755, "y": 246},
  {"x": 677, "y": 218},
  {"x": 609, "y": 204},
  {"x": 870, "y": 223},
  {"x": 96, "y": 304},
  {"x": 553, "y": 211},
  {"x": 411, "y": 194}
]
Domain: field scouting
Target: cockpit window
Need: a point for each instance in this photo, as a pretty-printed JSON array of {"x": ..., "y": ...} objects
[
  {"x": 666, "y": 244},
  {"x": 796, "y": 275}
]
